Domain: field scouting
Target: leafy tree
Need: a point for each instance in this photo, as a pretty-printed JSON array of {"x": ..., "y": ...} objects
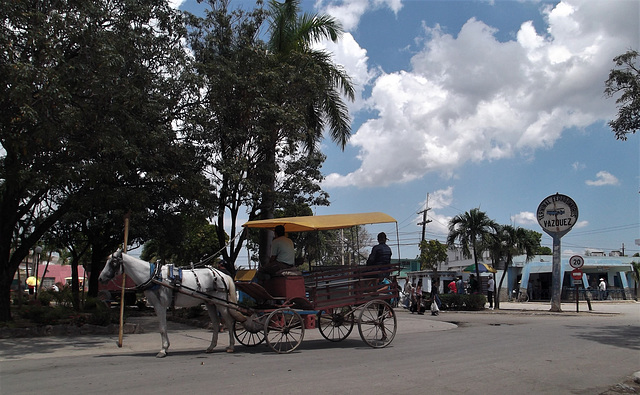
[
  {"x": 432, "y": 252},
  {"x": 313, "y": 89},
  {"x": 250, "y": 122},
  {"x": 544, "y": 251},
  {"x": 194, "y": 240},
  {"x": 88, "y": 108},
  {"x": 509, "y": 241},
  {"x": 469, "y": 229},
  {"x": 625, "y": 78}
]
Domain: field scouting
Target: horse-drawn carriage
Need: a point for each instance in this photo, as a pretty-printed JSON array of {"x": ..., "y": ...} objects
[{"x": 333, "y": 299}]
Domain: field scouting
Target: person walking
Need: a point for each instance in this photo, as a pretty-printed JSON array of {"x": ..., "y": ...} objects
[
  {"x": 434, "y": 301},
  {"x": 490, "y": 285},
  {"x": 460, "y": 285},
  {"x": 419, "y": 297},
  {"x": 408, "y": 294}
]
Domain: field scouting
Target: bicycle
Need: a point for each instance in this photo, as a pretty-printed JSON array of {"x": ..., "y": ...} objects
[
  {"x": 518, "y": 296},
  {"x": 523, "y": 297}
]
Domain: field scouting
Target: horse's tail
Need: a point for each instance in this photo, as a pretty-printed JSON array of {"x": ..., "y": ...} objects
[{"x": 233, "y": 298}]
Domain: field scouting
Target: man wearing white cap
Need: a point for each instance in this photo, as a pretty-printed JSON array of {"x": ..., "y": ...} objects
[{"x": 602, "y": 289}]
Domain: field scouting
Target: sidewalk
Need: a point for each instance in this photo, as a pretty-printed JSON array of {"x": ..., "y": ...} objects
[{"x": 598, "y": 307}]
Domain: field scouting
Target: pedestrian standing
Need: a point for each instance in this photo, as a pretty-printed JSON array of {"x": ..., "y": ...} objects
[
  {"x": 490, "y": 285},
  {"x": 602, "y": 289},
  {"x": 419, "y": 297},
  {"x": 452, "y": 287},
  {"x": 460, "y": 285},
  {"x": 473, "y": 284}
]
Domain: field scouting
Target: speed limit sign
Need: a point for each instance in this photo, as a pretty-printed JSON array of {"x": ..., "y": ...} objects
[{"x": 576, "y": 261}]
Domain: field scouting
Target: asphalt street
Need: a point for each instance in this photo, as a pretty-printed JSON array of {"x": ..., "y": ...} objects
[{"x": 522, "y": 348}]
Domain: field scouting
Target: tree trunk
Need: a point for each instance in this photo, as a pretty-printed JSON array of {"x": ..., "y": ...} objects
[
  {"x": 504, "y": 272},
  {"x": 5, "y": 296},
  {"x": 267, "y": 206},
  {"x": 475, "y": 259}
]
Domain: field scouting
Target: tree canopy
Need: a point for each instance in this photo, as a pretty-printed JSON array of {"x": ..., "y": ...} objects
[
  {"x": 88, "y": 107},
  {"x": 625, "y": 79}
]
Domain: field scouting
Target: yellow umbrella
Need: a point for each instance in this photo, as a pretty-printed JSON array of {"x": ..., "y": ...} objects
[{"x": 31, "y": 281}]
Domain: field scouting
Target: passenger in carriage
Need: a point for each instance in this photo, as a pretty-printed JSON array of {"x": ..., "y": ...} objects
[
  {"x": 380, "y": 255},
  {"x": 283, "y": 254}
]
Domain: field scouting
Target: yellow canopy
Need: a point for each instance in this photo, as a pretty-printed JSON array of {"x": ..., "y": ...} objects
[{"x": 321, "y": 222}]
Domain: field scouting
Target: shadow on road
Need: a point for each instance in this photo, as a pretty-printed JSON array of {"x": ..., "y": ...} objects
[{"x": 627, "y": 337}]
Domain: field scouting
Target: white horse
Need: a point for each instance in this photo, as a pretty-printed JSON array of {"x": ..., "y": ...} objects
[{"x": 205, "y": 281}]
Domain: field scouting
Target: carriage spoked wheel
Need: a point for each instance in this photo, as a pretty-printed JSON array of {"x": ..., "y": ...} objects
[
  {"x": 246, "y": 337},
  {"x": 377, "y": 323},
  {"x": 284, "y": 330},
  {"x": 336, "y": 324}
]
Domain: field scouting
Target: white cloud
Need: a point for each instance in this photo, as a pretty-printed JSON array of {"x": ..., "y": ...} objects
[
  {"x": 603, "y": 178},
  {"x": 176, "y": 3},
  {"x": 349, "y": 12},
  {"x": 353, "y": 58},
  {"x": 524, "y": 218},
  {"x": 470, "y": 97},
  {"x": 581, "y": 224},
  {"x": 578, "y": 166}
]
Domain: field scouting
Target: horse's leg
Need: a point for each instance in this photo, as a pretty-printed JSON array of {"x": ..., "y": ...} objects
[
  {"x": 215, "y": 322},
  {"x": 161, "y": 313},
  {"x": 229, "y": 322}
]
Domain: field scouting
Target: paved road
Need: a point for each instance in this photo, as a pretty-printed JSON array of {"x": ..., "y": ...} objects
[{"x": 520, "y": 349}]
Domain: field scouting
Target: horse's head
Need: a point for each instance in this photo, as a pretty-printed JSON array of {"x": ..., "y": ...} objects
[{"x": 112, "y": 268}]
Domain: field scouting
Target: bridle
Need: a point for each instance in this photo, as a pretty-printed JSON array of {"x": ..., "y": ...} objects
[{"x": 117, "y": 264}]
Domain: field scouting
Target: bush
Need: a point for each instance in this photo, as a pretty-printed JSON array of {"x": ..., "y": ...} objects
[
  {"x": 45, "y": 297},
  {"x": 473, "y": 302}
]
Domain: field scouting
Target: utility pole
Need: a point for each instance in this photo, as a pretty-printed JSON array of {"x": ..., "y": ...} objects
[{"x": 425, "y": 221}]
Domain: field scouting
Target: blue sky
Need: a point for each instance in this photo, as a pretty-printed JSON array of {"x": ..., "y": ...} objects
[{"x": 489, "y": 104}]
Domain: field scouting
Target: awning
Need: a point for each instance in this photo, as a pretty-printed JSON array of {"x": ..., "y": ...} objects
[{"x": 321, "y": 222}]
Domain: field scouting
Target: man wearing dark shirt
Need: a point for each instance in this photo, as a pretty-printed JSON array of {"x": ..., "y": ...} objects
[{"x": 380, "y": 255}]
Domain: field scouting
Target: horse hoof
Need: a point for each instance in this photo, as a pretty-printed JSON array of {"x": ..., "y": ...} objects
[{"x": 161, "y": 354}]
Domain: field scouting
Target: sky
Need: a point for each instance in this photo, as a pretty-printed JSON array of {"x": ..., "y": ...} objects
[{"x": 483, "y": 104}]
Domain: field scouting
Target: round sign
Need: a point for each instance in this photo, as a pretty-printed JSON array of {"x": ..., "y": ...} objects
[
  {"x": 576, "y": 274},
  {"x": 557, "y": 214},
  {"x": 576, "y": 261}
]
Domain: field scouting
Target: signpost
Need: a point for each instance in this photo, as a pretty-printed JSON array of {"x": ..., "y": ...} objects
[
  {"x": 576, "y": 274},
  {"x": 557, "y": 214}
]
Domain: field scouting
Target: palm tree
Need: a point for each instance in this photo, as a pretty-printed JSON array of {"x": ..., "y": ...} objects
[
  {"x": 510, "y": 241},
  {"x": 469, "y": 229},
  {"x": 313, "y": 89}
]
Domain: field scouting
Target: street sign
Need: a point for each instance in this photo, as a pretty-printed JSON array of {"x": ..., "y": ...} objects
[
  {"x": 576, "y": 274},
  {"x": 577, "y": 282},
  {"x": 576, "y": 261},
  {"x": 557, "y": 214}
]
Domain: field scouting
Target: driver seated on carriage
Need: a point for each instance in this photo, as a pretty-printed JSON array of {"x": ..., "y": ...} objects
[{"x": 283, "y": 254}]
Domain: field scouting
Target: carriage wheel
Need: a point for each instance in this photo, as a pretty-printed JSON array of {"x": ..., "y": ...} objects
[
  {"x": 245, "y": 337},
  {"x": 284, "y": 330},
  {"x": 335, "y": 324},
  {"x": 377, "y": 323}
]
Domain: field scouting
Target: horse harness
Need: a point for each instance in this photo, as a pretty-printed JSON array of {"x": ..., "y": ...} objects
[{"x": 174, "y": 275}]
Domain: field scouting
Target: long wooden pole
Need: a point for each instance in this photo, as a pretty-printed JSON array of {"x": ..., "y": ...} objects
[{"x": 124, "y": 276}]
